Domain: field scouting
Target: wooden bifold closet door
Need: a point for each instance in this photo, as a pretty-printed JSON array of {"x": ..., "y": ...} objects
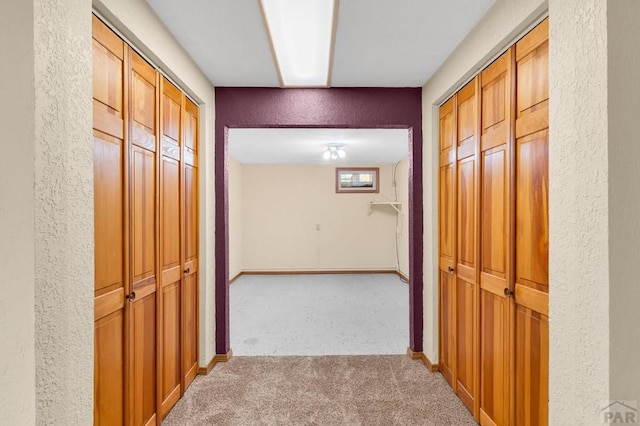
[
  {"x": 110, "y": 164},
  {"x": 494, "y": 214},
  {"x": 146, "y": 237},
  {"x": 458, "y": 243}
]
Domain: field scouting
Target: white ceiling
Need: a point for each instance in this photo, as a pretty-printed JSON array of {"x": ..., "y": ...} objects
[
  {"x": 306, "y": 146},
  {"x": 379, "y": 43}
]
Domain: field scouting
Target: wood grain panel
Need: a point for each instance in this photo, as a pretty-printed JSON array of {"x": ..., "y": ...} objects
[
  {"x": 170, "y": 214},
  {"x": 190, "y": 326},
  {"x": 143, "y": 213},
  {"x": 108, "y": 303},
  {"x": 494, "y": 358},
  {"x": 190, "y": 213},
  {"x": 447, "y": 214},
  {"x": 532, "y": 368},
  {"x": 533, "y": 84},
  {"x": 447, "y": 125},
  {"x": 107, "y": 121},
  {"x": 107, "y": 76},
  {"x": 171, "y": 111},
  {"x": 466, "y": 116},
  {"x": 191, "y": 115},
  {"x": 143, "y": 102},
  {"x": 170, "y": 376},
  {"x": 465, "y": 345},
  {"x": 108, "y": 370},
  {"x": 534, "y": 121},
  {"x": 143, "y": 365},
  {"x": 447, "y": 302},
  {"x": 495, "y": 210},
  {"x": 466, "y": 232},
  {"x": 532, "y": 210},
  {"x": 108, "y": 175},
  {"x": 494, "y": 101},
  {"x": 530, "y": 298}
]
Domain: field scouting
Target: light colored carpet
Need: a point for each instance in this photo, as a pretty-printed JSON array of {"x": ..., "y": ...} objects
[
  {"x": 333, "y": 314},
  {"x": 329, "y": 390}
]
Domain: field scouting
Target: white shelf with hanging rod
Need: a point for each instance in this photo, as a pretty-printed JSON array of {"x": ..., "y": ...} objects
[{"x": 396, "y": 205}]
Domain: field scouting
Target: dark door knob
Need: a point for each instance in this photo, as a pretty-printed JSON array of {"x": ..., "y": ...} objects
[
  {"x": 508, "y": 292},
  {"x": 186, "y": 271},
  {"x": 450, "y": 269},
  {"x": 131, "y": 296}
]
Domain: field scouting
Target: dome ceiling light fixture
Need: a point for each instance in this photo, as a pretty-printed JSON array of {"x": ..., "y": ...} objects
[{"x": 334, "y": 151}]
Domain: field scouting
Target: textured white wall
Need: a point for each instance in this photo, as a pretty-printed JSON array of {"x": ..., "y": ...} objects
[
  {"x": 282, "y": 203},
  {"x": 624, "y": 197},
  {"x": 497, "y": 30},
  {"x": 63, "y": 212},
  {"x": 137, "y": 22},
  {"x": 578, "y": 217},
  {"x": 235, "y": 217},
  {"x": 17, "y": 307}
]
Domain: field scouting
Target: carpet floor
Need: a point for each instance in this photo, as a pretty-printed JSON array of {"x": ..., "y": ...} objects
[{"x": 328, "y": 390}]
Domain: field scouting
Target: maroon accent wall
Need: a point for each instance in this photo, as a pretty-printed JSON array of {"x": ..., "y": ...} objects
[{"x": 330, "y": 108}]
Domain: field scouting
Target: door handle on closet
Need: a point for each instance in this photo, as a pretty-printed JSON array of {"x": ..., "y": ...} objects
[
  {"x": 131, "y": 296},
  {"x": 450, "y": 269},
  {"x": 186, "y": 271},
  {"x": 508, "y": 293}
]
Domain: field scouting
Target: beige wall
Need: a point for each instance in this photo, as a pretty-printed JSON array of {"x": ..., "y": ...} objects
[
  {"x": 624, "y": 197},
  {"x": 138, "y": 23},
  {"x": 282, "y": 204},
  {"x": 402, "y": 185},
  {"x": 236, "y": 234},
  {"x": 17, "y": 221}
]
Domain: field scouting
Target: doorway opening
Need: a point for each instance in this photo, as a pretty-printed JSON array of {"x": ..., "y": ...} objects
[
  {"x": 335, "y": 108},
  {"x": 318, "y": 241}
]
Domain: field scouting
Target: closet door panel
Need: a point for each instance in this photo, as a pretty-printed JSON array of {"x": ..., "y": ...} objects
[
  {"x": 466, "y": 251},
  {"x": 169, "y": 315},
  {"x": 496, "y": 221},
  {"x": 144, "y": 242},
  {"x": 110, "y": 279},
  {"x": 190, "y": 240},
  {"x": 532, "y": 228}
]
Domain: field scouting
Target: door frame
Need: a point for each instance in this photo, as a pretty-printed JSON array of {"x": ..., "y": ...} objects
[{"x": 371, "y": 108}]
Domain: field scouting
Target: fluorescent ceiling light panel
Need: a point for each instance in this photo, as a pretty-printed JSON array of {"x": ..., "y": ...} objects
[{"x": 301, "y": 33}]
